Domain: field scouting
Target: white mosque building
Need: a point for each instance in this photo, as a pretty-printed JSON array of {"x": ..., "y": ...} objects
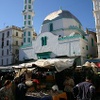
[{"x": 61, "y": 34}]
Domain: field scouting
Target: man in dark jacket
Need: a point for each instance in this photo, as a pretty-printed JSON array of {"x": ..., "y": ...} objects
[
  {"x": 84, "y": 90},
  {"x": 22, "y": 89}
]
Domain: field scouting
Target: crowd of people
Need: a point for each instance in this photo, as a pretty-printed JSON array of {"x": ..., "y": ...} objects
[
  {"x": 82, "y": 91},
  {"x": 78, "y": 85},
  {"x": 11, "y": 87}
]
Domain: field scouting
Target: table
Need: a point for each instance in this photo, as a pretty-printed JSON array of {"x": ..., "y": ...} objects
[
  {"x": 60, "y": 96},
  {"x": 54, "y": 96},
  {"x": 39, "y": 98}
]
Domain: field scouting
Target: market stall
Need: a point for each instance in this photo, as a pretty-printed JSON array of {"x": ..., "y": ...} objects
[
  {"x": 46, "y": 75},
  {"x": 42, "y": 76}
]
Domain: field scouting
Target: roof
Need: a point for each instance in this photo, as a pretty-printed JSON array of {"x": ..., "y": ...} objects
[
  {"x": 93, "y": 60},
  {"x": 58, "y": 15}
]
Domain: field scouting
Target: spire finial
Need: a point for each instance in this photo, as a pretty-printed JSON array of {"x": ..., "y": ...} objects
[{"x": 60, "y": 7}]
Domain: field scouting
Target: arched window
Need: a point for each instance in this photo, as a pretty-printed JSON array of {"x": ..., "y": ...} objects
[
  {"x": 2, "y": 52},
  {"x": 24, "y": 16},
  {"x": 25, "y": 1},
  {"x": 1, "y": 61},
  {"x": 8, "y": 34},
  {"x": 7, "y": 42},
  {"x": 79, "y": 26},
  {"x": 24, "y": 40},
  {"x": 7, "y": 61},
  {"x": 29, "y": 16},
  {"x": 7, "y": 52},
  {"x": 92, "y": 41},
  {"x": 2, "y": 35},
  {"x": 29, "y": 7},
  {"x": 24, "y": 22},
  {"x": 44, "y": 41},
  {"x": 24, "y": 33},
  {"x": 51, "y": 27},
  {"x": 29, "y": 22},
  {"x": 29, "y": 1},
  {"x": 29, "y": 40},
  {"x": 25, "y": 7},
  {"x": 29, "y": 33}
]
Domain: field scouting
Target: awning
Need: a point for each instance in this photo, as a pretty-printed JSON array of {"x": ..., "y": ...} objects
[
  {"x": 60, "y": 64},
  {"x": 95, "y": 60},
  {"x": 23, "y": 65}
]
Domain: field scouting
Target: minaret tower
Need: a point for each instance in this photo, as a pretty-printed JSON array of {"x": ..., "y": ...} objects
[
  {"x": 28, "y": 15},
  {"x": 96, "y": 11}
]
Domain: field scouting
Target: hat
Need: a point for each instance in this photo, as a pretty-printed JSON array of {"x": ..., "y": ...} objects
[
  {"x": 87, "y": 64},
  {"x": 55, "y": 88},
  {"x": 29, "y": 83},
  {"x": 93, "y": 64}
]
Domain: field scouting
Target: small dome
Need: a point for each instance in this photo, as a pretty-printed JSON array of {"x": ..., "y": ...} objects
[{"x": 58, "y": 15}]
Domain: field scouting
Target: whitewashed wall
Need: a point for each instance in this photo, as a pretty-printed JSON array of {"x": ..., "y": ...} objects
[
  {"x": 69, "y": 47},
  {"x": 26, "y": 53}
]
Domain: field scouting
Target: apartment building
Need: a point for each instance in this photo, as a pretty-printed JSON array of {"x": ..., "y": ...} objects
[
  {"x": 10, "y": 41},
  {"x": 96, "y": 12}
]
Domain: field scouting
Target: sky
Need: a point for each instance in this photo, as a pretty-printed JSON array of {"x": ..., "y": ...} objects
[{"x": 11, "y": 12}]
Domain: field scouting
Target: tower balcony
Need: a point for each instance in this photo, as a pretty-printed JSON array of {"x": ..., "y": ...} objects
[
  {"x": 95, "y": 10},
  {"x": 26, "y": 27},
  {"x": 28, "y": 11},
  {"x": 23, "y": 11}
]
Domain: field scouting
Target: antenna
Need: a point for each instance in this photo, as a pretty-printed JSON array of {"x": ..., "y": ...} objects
[{"x": 4, "y": 24}]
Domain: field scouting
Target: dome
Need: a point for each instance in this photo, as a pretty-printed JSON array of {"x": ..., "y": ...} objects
[{"x": 58, "y": 15}]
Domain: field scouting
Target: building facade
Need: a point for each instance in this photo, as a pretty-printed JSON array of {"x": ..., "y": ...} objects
[
  {"x": 61, "y": 35},
  {"x": 96, "y": 12},
  {"x": 92, "y": 42},
  {"x": 10, "y": 41}
]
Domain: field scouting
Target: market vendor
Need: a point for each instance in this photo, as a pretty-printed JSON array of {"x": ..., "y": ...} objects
[
  {"x": 69, "y": 84},
  {"x": 36, "y": 84}
]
